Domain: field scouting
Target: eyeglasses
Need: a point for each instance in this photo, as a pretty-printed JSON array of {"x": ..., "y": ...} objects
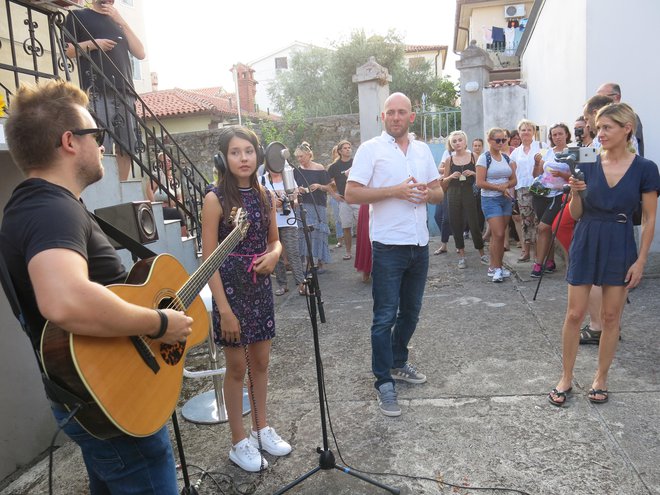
[
  {"x": 98, "y": 134},
  {"x": 500, "y": 140}
]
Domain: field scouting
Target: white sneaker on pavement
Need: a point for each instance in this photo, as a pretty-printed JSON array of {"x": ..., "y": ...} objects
[
  {"x": 245, "y": 456},
  {"x": 271, "y": 442}
]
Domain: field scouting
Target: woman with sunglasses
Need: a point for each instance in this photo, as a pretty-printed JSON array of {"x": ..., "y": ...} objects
[
  {"x": 314, "y": 183},
  {"x": 496, "y": 175},
  {"x": 524, "y": 157},
  {"x": 603, "y": 251}
]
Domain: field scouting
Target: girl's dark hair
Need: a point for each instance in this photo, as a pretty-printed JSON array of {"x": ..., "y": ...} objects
[{"x": 227, "y": 184}]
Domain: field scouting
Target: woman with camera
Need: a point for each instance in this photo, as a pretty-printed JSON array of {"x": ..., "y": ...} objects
[
  {"x": 550, "y": 178},
  {"x": 603, "y": 250},
  {"x": 288, "y": 230}
]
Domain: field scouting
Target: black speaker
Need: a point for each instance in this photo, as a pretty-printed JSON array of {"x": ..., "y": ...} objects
[{"x": 135, "y": 219}]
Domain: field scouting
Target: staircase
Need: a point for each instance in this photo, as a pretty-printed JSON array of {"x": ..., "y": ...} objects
[{"x": 109, "y": 191}]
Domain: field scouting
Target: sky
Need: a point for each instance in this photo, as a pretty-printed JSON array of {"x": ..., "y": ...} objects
[{"x": 194, "y": 44}]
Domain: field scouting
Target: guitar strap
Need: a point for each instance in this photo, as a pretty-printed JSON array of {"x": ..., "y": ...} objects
[{"x": 124, "y": 240}]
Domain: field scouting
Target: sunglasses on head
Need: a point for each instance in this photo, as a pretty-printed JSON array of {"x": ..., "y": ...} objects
[{"x": 98, "y": 134}]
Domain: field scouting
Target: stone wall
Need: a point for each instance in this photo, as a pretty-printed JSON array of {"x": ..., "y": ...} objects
[{"x": 322, "y": 133}]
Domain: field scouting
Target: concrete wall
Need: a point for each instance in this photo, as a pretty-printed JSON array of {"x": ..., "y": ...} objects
[
  {"x": 322, "y": 133},
  {"x": 26, "y": 423},
  {"x": 504, "y": 106},
  {"x": 592, "y": 53},
  {"x": 557, "y": 92}
]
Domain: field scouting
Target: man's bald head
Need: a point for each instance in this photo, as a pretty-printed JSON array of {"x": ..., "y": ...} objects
[
  {"x": 613, "y": 90},
  {"x": 398, "y": 115}
]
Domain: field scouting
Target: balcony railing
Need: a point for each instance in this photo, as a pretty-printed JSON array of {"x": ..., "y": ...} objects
[{"x": 34, "y": 48}]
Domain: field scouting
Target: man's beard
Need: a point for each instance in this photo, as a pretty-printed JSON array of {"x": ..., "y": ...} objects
[{"x": 88, "y": 174}]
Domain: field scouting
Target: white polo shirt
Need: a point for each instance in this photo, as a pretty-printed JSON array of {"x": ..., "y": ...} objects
[{"x": 380, "y": 162}]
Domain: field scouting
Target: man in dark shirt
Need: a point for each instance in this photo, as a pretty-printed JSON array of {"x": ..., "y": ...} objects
[
  {"x": 102, "y": 25},
  {"x": 348, "y": 213},
  {"x": 59, "y": 261}
]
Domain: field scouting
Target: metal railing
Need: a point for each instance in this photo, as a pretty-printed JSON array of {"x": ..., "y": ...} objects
[
  {"x": 149, "y": 139},
  {"x": 437, "y": 125}
]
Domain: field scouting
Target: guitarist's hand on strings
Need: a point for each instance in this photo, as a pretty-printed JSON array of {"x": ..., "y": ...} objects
[{"x": 179, "y": 326}]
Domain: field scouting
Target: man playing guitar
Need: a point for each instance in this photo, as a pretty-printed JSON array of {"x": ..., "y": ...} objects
[{"x": 60, "y": 261}]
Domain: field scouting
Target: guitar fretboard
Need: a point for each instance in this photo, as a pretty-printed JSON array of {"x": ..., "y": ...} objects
[{"x": 195, "y": 284}]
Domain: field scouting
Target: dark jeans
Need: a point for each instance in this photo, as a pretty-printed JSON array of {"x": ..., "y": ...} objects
[
  {"x": 442, "y": 220},
  {"x": 125, "y": 465},
  {"x": 399, "y": 276},
  {"x": 462, "y": 208}
]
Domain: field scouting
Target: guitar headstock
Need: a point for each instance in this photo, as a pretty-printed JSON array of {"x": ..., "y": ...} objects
[{"x": 239, "y": 220}]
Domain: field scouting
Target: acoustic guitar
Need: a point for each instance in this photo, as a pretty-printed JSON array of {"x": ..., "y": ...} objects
[{"x": 131, "y": 385}]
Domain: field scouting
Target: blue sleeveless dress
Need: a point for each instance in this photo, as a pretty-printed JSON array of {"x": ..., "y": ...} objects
[
  {"x": 603, "y": 246},
  {"x": 249, "y": 294}
]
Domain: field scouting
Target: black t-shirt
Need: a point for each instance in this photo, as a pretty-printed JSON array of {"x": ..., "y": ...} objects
[
  {"x": 41, "y": 216},
  {"x": 305, "y": 177},
  {"x": 100, "y": 26},
  {"x": 336, "y": 171}
]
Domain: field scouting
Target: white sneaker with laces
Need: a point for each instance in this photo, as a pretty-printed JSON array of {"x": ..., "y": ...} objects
[
  {"x": 247, "y": 457},
  {"x": 505, "y": 273},
  {"x": 497, "y": 275},
  {"x": 271, "y": 442}
]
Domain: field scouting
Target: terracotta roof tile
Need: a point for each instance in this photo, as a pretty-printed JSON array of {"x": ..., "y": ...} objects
[
  {"x": 424, "y": 48},
  {"x": 505, "y": 82},
  {"x": 178, "y": 102}
]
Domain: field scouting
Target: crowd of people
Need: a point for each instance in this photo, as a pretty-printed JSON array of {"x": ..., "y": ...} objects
[{"x": 509, "y": 178}]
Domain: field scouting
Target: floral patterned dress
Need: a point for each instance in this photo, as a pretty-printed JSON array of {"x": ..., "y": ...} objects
[{"x": 249, "y": 294}]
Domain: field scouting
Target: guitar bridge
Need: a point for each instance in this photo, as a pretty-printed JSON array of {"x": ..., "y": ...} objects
[{"x": 145, "y": 353}]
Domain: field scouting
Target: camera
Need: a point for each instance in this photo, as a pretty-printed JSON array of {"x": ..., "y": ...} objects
[
  {"x": 286, "y": 206},
  {"x": 577, "y": 154}
]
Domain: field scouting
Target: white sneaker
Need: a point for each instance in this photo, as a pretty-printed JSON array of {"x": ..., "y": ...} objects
[
  {"x": 271, "y": 442},
  {"x": 247, "y": 457},
  {"x": 497, "y": 275},
  {"x": 505, "y": 273},
  {"x": 461, "y": 263}
]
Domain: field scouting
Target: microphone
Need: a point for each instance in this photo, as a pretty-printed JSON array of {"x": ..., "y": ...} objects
[{"x": 276, "y": 160}]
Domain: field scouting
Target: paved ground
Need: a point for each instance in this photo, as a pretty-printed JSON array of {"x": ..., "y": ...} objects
[{"x": 482, "y": 420}]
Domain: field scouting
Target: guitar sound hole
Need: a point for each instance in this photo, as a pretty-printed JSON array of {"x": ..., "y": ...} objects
[{"x": 171, "y": 354}]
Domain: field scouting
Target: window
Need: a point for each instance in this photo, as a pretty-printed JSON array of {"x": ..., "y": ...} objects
[
  {"x": 281, "y": 63},
  {"x": 137, "y": 68}
]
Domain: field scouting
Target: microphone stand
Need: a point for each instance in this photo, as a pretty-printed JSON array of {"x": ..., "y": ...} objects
[
  {"x": 564, "y": 202},
  {"x": 314, "y": 302}
]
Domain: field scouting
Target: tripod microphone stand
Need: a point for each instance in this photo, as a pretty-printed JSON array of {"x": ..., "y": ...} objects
[
  {"x": 566, "y": 191},
  {"x": 326, "y": 457}
]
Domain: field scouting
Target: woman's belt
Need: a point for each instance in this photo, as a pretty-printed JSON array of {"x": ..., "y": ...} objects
[{"x": 608, "y": 217}]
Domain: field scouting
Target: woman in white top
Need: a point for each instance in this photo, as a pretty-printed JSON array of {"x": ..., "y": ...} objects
[
  {"x": 496, "y": 175},
  {"x": 551, "y": 176},
  {"x": 524, "y": 156}
]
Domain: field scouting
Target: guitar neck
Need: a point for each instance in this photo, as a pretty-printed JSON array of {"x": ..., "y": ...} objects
[{"x": 198, "y": 280}]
